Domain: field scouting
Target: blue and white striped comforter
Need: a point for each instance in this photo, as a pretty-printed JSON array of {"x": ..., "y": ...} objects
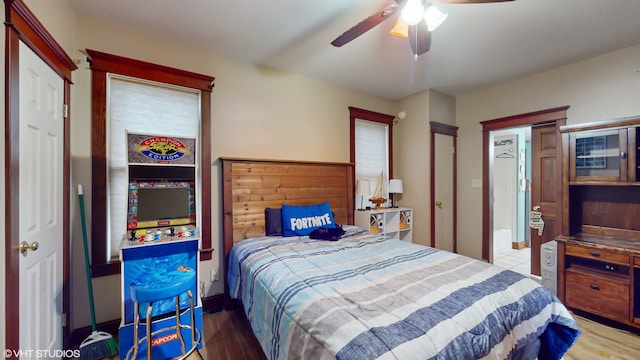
[{"x": 367, "y": 297}]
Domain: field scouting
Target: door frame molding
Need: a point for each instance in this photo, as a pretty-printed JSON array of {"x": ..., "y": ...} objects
[
  {"x": 450, "y": 130},
  {"x": 22, "y": 25},
  {"x": 556, "y": 115}
]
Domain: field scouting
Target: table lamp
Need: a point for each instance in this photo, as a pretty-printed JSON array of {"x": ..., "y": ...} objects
[
  {"x": 363, "y": 188},
  {"x": 395, "y": 187}
]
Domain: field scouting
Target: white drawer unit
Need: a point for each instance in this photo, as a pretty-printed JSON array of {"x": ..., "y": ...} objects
[{"x": 393, "y": 222}]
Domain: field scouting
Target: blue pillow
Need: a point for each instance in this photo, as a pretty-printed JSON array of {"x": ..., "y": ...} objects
[
  {"x": 273, "y": 221},
  {"x": 302, "y": 220}
]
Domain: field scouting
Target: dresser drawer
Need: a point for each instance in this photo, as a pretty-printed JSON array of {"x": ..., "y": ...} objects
[
  {"x": 597, "y": 254},
  {"x": 602, "y": 295}
]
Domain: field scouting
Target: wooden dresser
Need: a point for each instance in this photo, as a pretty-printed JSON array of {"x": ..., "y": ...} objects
[{"x": 599, "y": 251}]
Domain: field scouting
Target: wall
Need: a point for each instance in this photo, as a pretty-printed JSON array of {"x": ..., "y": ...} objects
[
  {"x": 600, "y": 88},
  {"x": 411, "y": 163},
  {"x": 412, "y": 154}
]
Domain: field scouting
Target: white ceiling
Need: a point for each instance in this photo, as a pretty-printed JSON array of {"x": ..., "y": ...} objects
[{"x": 479, "y": 45}]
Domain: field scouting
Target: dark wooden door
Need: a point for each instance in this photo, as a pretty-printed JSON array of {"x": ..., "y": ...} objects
[{"x": 545, "y": 189}]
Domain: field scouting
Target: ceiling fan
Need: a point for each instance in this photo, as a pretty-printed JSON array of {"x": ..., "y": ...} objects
[{"x": 417, "y": 19}]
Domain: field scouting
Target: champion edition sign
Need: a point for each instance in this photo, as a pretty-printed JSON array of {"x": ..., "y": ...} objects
[{"x": 148, "y": 149}]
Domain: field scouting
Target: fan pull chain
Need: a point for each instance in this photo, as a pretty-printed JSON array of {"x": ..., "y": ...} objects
[{"x": 415, "y": 56}]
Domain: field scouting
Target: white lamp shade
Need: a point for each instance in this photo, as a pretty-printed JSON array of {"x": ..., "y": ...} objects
[
  {"x": 363, "y": 187},
  {"x": 434, "y": 17},
  {"x": 395, "y": 186},
  {"x": 412, "y": 12}
]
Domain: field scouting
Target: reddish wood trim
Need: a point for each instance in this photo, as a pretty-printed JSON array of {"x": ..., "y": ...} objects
[
  {"x": 444, "y": 129},
  {"x": 487, "y": 204},
  {"x": 526, "y": 119},
  {"x": 205, "y": 171},
  {"x": 22, "y": 24},
  {"x": 556, "y": 115},
  {"x": 455, "y": 192},
  {"x": 31, "y": 31},
  {"x": 448, "y": 130},
  {"x": 371, "y": 115},
  {"x": 12, "y": 186},
  {"x": 432, "y": 190},
  {"x": 357, "y": 113},
  {"x": 101, "y": 64},
  {"x": 98, "y": 171},
  {"x": 145, "y": 70}
]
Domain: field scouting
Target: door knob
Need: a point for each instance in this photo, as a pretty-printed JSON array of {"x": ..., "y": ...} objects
[
  {"x": 25, "y": 246},
  {"x": 439, "y": 204}
]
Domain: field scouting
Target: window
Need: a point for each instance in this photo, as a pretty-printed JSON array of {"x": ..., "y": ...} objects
[
  {"x": 143, "y": 107},
  {"x": 371, "y": 147},
  {"x": 114, "y": 78}
]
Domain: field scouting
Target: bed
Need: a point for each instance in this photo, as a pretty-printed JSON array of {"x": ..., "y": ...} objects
[{"x": 366, "y": 296}]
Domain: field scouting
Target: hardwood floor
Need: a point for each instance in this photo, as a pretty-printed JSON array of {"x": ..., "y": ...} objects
[
  {"x": 227, "y": 335},
  {"x": 599, "y": 341}
]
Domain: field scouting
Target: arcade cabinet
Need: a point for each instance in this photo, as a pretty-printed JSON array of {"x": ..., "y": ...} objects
[{"x": 159, "y": 251}]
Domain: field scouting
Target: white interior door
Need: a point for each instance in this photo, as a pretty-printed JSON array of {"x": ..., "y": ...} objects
[
  {"x": 443, "y": 168},
  {"x": 41, "y": 205}
]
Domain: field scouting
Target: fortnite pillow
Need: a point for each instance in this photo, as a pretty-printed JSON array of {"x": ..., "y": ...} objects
[{"x": 302, "y": 220}]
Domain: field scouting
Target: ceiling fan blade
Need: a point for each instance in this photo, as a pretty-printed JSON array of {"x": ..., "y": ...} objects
[
  {"x": 471, "y": 1},
  {"x": 365, "y": 25},
  {"x": 420, "y": 38}
]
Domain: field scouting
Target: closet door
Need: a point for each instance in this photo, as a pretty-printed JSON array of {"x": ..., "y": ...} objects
[{"x": 443, "y": 186}]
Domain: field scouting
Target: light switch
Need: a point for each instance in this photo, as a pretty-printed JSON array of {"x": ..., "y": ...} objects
[{"x": 476, "y": 183}]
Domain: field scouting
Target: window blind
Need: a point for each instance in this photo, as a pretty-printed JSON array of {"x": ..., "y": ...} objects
[
  {"x": 372, "y": 154},
  {"x": 144, "y": 107}
]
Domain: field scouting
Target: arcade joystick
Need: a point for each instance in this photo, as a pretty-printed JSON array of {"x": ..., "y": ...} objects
[{"x": 172, "y": 232}]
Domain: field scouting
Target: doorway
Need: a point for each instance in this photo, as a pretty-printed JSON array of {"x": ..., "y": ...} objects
[
  {"x": 443, "y": 186},
  {"x": 511, "y": 198},
  {"x": 38, "y": 294},
  {"x": 546, "y": 176}
]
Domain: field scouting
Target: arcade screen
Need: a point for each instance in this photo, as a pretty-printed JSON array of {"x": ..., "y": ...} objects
[
  {"x": 163, "y": 204},
  {"x": 155, "y": 204}
]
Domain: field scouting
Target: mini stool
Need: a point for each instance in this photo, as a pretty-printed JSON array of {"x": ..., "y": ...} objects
[{"x": 162, "y": 285}]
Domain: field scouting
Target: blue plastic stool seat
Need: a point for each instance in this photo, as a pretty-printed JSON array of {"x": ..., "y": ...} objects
[{"x": 163, "y": 284}]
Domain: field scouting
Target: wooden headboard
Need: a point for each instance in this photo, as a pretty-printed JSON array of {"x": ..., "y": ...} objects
[{"x": 251, "y": 185}]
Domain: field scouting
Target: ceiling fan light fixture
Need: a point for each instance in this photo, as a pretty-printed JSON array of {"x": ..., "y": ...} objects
[
  {"x": 434, "y": 17},
  {"x": 400, "y": 29},
  {"x": 413, "y": 12}
]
